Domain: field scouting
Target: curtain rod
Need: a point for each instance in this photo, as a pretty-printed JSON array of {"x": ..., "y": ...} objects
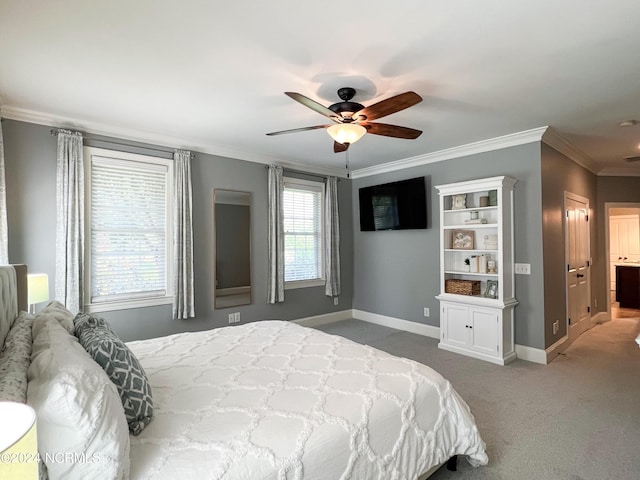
[
  {"x": 291, "y": 170},
  {"x": 54, "y": 133}
]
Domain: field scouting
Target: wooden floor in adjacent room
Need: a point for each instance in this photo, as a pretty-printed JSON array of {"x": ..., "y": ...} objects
[{"x": 617, "y": 312}]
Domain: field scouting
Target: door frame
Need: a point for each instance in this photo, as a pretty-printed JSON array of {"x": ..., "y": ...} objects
[
  {"x": 607, "y": 215},
  {"x": 578, "y": 198}
]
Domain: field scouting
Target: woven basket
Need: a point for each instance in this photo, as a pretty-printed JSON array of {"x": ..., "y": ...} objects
[{"x": 462, "y": 287}]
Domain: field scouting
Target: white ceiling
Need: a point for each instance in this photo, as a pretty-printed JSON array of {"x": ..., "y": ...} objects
[{"x": 209, "y": 75}]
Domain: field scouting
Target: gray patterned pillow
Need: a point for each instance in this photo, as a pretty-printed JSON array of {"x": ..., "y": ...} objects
[
  {"x": 15, "y": 359},
  {"x": 122, "y": 367}
]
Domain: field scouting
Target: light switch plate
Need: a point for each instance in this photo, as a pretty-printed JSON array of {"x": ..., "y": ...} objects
[{"x": 523, "y": 269}]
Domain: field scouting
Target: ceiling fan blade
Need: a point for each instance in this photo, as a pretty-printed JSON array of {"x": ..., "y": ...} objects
[
  {"x": 312, "y": 104},
  {"x": 340, "y": 147},
  {"x": 392, "y": 130},
  {"x": 302, "y": 129},
  {"x": 390, "y": 105}
]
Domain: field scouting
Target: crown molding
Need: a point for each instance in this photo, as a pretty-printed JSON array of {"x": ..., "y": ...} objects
[
  {"x": 619, "y": 172},
  {"x": 552, "y": 138},
  {"x": 545, "y": 134},
  {"x": 489, "y": 145},
  {"x": 97, "y": 128}
]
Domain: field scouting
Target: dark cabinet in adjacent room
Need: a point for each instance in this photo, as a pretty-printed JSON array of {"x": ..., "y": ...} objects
[{"x": 628, "y": 286}]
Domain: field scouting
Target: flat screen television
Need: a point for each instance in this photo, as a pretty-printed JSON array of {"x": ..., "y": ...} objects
[{"x": 394, "y": 206}]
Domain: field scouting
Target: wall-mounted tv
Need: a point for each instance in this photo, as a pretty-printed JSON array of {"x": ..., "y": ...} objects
[{"x": 394, "y": 206}]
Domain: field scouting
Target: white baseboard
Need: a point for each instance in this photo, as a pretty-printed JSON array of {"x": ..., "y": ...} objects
[
  {"x": 397, "y": 323},
  {"x": 523, "y": 352},
  {"x": 531, "y": 354},
  {"x": 600, "y": 317},
  {"x": 326, "y": 318},
  {"x": 554, "y": 350}
]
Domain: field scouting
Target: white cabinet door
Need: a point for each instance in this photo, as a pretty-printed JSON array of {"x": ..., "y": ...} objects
[
  {"x": 485, "y": 333},
  {"x": 455, "y": 322},
  {"x": 624, "y": 242},
  {"x": 633, "y": 239},
  {"x": 624, "y": 237}
]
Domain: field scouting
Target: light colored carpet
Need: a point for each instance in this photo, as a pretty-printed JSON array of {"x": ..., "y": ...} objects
[{"x": 577, "y": 418}]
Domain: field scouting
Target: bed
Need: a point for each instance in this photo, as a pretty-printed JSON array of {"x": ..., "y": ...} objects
[{"x": 263, "y": 400}]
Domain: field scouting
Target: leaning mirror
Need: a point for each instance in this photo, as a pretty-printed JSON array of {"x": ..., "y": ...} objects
[{"x": 232, "y": 225}]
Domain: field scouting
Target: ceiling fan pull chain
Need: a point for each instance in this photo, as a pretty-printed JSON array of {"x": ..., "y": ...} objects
[{"x": 347, "y": 153}]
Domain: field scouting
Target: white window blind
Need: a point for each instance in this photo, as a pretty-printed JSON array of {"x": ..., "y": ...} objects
[
  {"x": 302, "y": 207},
  {"x": 129, "y": 213}
]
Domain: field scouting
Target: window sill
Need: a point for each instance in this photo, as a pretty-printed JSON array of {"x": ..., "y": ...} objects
[
  {"x": 127, "y": 304},
  {"x": 318, "y": 282}
]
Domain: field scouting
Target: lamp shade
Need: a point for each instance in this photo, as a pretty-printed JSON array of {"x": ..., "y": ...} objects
[
  {"x": 18, "y": 441},
  {"x": 38, "y": 288},
  {"x": 346, "y": 132}
]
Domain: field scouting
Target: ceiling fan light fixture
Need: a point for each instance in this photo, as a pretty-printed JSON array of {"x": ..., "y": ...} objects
[{"x": 346, "y": 132}]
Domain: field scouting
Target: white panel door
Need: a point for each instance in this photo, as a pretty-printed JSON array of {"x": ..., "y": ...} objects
[{"x": 577, "y": 255}]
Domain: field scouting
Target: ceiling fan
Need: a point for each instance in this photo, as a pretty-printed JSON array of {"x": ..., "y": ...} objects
[{"x": 353, "y": 120}]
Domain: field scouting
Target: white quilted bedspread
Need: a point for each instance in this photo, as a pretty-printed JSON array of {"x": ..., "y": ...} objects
[{"x": 275, "y": 400}]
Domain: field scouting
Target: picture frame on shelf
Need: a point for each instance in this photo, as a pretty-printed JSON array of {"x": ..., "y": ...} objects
[
  {"x": 490, "y": 242},
  {"x": 462, "y": 239},
  {"x": 493, "y": 198},
  {"x": 459, "y": 202},
  {"x": 492, "y": 289}
]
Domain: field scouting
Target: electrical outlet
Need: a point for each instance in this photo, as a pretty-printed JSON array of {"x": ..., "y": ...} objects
[
  {"x": 335, "y": 300},
  {"x": 556, "y": 326},
  {"x": 231, "y": 318},
  {"x": 523, "y": 268},
  {"x": 426, "y": 311},
  {"x": 236, "y": 317}
]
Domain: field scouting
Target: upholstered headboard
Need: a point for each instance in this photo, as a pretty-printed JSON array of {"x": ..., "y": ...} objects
[
  {"x": 21, "y": 280},
  {"x": 13, "y": 296}
]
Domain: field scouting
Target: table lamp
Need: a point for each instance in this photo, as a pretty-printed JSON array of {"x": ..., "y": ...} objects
[
  {"x": 18, "y": 442},
  {"x": 37, "y": 289}
]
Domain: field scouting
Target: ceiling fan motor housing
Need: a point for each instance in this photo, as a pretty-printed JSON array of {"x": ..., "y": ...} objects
[{"x": 346, "y": 94}]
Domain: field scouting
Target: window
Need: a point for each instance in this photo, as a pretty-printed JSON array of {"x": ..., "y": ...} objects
[
  {"x": 303, "y": 233},
  {"x": 128, "y": 230}
]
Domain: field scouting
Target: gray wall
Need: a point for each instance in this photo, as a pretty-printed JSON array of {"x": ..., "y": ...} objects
[
  {"x": 560, "y": 175},
  {"x": 30, "y": 155},
  {"x": 396, "y": 273}
]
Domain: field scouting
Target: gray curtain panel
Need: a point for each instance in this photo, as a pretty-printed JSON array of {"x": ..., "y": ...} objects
[
  {"x": 183, "y": 303},
  {"x": 70, "y": 221},
  {"x": 331, "y": 239},
  {"x": 275, "y": 286},
  {"x": 4, "y": 234}
]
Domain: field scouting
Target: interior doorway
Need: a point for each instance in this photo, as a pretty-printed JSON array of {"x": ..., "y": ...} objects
[
  {"x": 578, "y": 261},
  {"x": 622, "y": 238}
]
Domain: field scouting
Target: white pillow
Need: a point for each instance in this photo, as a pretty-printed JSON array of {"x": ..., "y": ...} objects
[
  {"x": 82, "y": 430},
  {"x": 54, "y": 310}
]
